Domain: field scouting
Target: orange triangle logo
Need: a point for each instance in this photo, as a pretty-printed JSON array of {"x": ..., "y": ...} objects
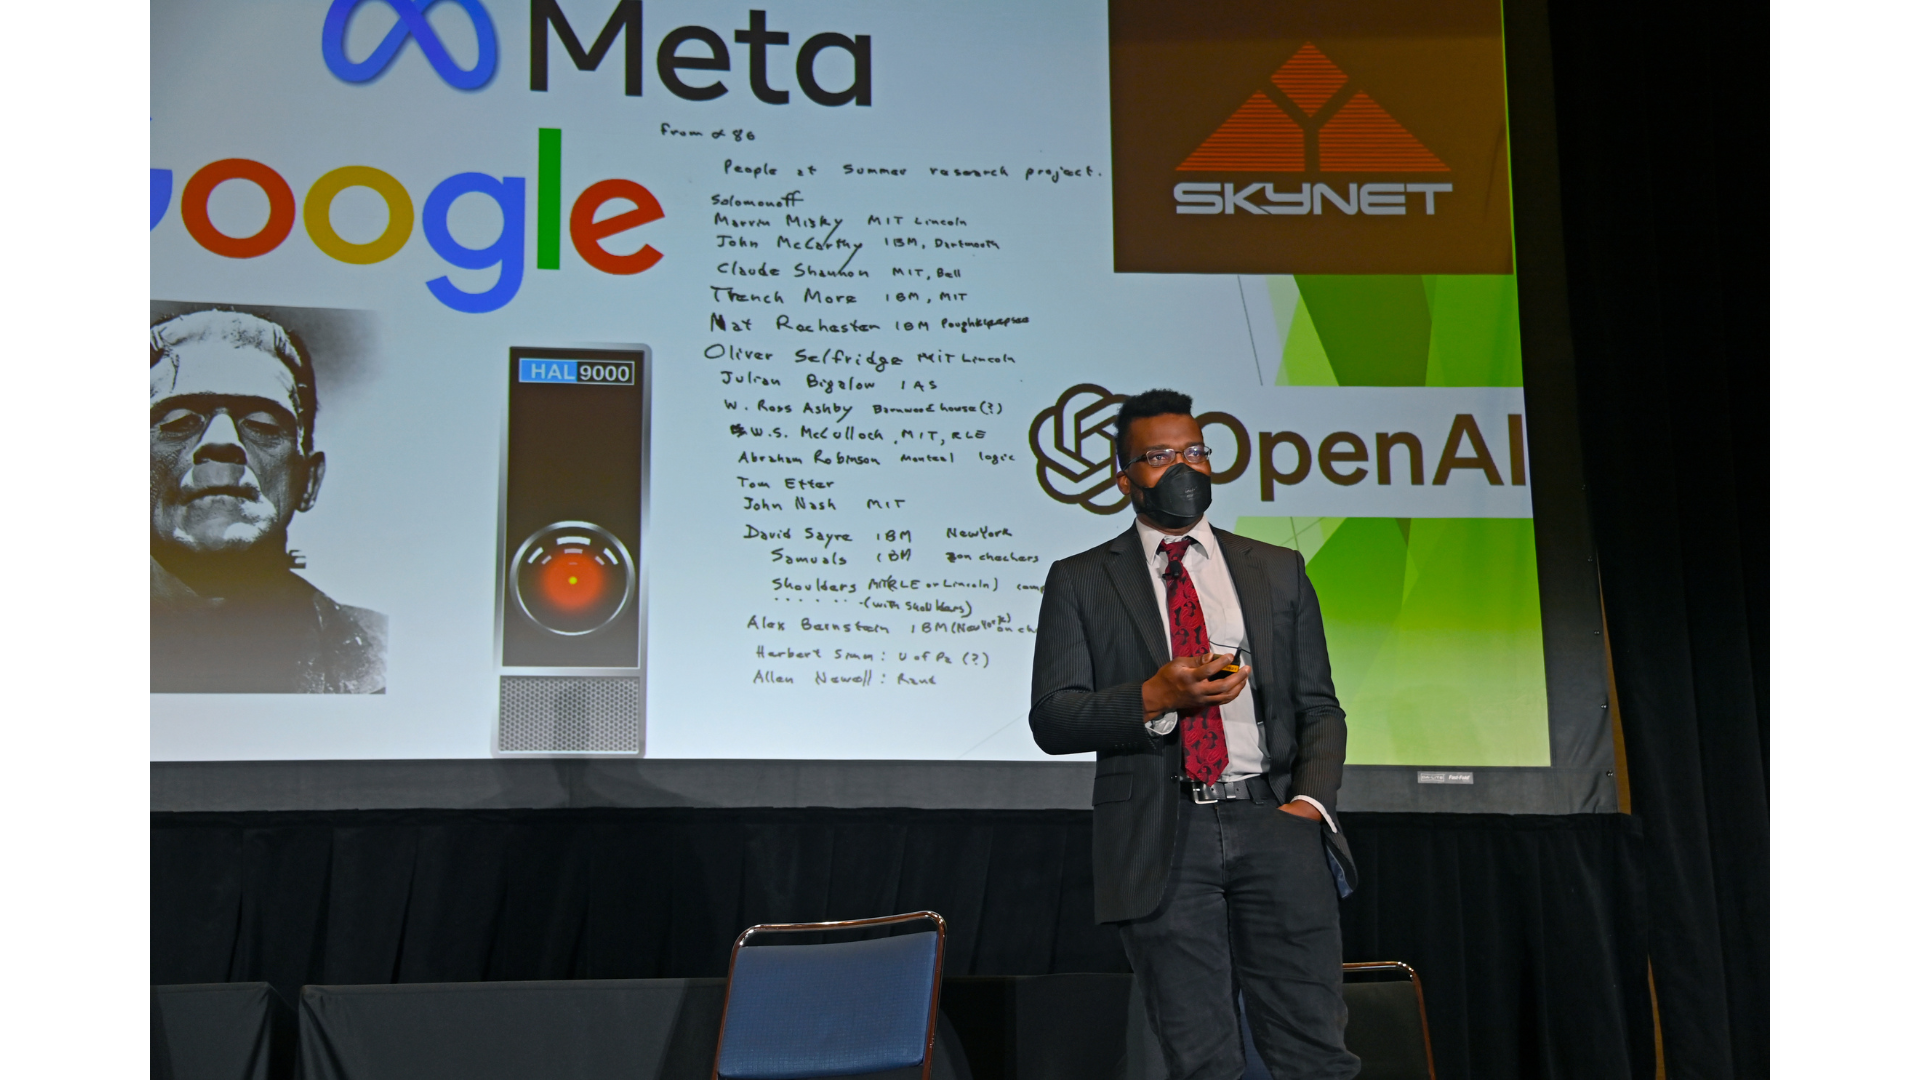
[
  {"x": 1309, "y": 78},
  {"x": 1258, "y": 137},
  {"x": 1287, "y": 132},
  {"x": 1361, "y": 137}
]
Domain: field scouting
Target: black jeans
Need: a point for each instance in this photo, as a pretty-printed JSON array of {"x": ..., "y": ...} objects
[{"x": 1250, "y": 905}]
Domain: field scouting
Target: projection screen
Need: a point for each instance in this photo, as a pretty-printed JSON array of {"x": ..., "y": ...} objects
[{"x": 535, "y": 378}]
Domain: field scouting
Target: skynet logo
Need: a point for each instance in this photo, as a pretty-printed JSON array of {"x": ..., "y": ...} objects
[{"x": 1318, "y": 122}]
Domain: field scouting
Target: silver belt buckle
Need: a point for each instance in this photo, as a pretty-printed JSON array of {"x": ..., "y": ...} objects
[{"x": 1195, "y": 788}]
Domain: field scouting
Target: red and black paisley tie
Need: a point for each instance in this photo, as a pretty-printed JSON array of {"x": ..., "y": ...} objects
[{"x": 1203, "y": 739}]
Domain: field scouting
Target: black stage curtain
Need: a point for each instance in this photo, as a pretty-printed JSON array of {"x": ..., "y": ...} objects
[
  {"x": 1528, "y": 931},
  {"x": 1662, "y": 116}
]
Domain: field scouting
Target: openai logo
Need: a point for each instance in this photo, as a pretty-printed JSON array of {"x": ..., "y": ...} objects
[
  {"x": 1073, "y": 446},
  {"x": 1074, "y": 441},
  {"x": 413, "y": 24}
]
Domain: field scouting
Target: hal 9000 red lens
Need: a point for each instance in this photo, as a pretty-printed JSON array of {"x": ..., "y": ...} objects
[{"x": 572, "y": 577}]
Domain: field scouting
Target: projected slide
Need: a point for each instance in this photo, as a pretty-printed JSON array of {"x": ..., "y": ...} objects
[{"x": 717, "y": 380}]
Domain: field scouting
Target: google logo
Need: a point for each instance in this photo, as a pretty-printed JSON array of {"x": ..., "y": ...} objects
[{"x": 507, "y": 251}]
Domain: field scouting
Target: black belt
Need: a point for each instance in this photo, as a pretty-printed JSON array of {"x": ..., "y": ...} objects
[{"x": 1255, "y": 788}]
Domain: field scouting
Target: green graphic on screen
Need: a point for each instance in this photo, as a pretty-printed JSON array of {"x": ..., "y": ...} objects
[{"x": 1433, "y": 624}]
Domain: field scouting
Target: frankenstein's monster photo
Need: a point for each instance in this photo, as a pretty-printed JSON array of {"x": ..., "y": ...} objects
[{"x": 233, "y": 400}]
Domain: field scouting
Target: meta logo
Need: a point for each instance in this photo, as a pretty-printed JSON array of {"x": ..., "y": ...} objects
[
  {"x": 1313, "y": 120},
  {"x": 632, "y": 204},
  {"x": 686, "y": 49},
  {"x": 412, "y": 24},
  {"x": 698, "y": 49}
]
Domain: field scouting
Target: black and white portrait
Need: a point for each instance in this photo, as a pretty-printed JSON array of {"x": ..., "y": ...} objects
[{"x": 235, "y": 459}]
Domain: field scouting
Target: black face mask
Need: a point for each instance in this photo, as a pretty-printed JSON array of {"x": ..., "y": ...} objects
[{"x": 1178, "y": 500}]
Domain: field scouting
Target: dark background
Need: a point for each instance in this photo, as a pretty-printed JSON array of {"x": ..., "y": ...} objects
[
  {"x": 1535, "y": 934},
  {"x": 1668, "y": 298}
]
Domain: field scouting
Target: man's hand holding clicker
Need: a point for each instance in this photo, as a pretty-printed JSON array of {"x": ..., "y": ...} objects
[{"x": 1186, "y": 682}]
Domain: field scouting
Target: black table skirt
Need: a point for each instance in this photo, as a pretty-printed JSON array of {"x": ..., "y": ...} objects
[
  {"x": 586, "y": 1029},
  {"x": 221, "y": 1031},
  {"x": 1044, "y": 1027},
  {"x": 1529, "y": 932}
]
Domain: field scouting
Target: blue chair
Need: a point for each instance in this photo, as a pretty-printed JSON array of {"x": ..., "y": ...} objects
[{"x": 799, "y": 1011}]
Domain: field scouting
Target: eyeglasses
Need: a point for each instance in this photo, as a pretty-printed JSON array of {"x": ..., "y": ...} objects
[{"x": 1161, "y": 458}]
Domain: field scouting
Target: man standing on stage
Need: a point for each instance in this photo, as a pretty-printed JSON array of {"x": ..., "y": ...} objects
[{"x": 1193, "y": 662}]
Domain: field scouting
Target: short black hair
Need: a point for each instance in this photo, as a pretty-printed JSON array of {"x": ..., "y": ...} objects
[{"x": 1141, "y": 406}]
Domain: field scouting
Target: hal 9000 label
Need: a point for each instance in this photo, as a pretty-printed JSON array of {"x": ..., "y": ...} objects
[{"x": 576, "y": 371}]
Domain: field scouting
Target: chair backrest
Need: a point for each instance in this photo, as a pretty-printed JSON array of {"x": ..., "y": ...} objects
[
  {"x": 1387, "y": 1023},
  {"x": 800, "y": 1011},
  {"x": 1386, "y": 1026}
]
